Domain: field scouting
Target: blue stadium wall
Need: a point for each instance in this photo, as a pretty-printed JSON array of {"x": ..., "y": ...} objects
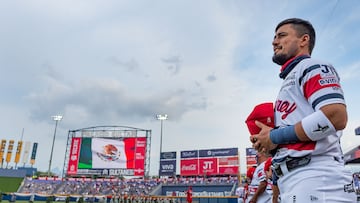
[
  {"x": 20, "y": 173},
  {"x": 198, "y": 190},
  {"x": 202, "y": 193}
]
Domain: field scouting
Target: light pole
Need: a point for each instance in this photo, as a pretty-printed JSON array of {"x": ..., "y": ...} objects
[
  {"x": 161, "y": 117},
  {"x": 56, "y": 118}
]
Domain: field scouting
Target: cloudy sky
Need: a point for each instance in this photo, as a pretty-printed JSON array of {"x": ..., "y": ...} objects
[{"x": 205, "y": 63}]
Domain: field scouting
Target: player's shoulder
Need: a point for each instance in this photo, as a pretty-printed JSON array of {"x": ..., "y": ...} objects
[
  {"x": 310, "y": 63},
  {"x": 260, "y": 168},
  {"x": 312, "y": 66}
]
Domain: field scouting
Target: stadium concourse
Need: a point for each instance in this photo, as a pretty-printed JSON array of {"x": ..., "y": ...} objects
[{"x": 115, "y": 190}]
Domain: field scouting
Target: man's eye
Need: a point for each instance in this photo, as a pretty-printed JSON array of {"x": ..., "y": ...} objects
[{"x": 282, "y": 34}]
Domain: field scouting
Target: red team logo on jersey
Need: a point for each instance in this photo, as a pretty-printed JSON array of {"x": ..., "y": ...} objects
[{"x": 285, "y": 107}]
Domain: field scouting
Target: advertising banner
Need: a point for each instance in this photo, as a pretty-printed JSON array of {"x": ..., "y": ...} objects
[
  {"x": 168, "y": 155},
  {"x": 74, "y": 156},
  {"x": 140, "y": 146},
  {"x": 250, "y": 157},
  {"x": 33, "y": 153},
  {"x": 189, "y": 167},
  {"x": 167, "y": 164},
  {"x": 26, "y": 154},
  {"x": 9, "y": 151},
  {"x": 189, "y": 154},
  {"x": 224, "y": 161},
  {"x": 18, "y": 152},
  {"x": 218, "y": 152},
  {"x": 2, "y": 150},
  {"x": 208, "y": 166},
  {"x": 168, "y": 167},
  {"x": 231, "y": 170}
]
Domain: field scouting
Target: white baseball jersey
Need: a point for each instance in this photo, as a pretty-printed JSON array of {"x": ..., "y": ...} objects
[
  {"x": 240, "y": 193},
  {"x": 259, "y": 176},
  {"x": 310, "y": 85}
]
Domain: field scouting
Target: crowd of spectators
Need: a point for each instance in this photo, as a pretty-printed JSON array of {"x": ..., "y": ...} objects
[
  {"x": 201, "y": 180},
  {"x": 88, "y": 186},
  {"x": 106, "y": 186}
]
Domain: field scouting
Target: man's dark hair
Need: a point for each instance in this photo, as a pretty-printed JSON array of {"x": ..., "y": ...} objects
[{"x": 302, "y": 27}]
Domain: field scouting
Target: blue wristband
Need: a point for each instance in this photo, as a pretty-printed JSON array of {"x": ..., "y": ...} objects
[{"x": 284, "y": 135}]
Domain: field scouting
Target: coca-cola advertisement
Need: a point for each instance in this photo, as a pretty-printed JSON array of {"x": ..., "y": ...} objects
[{"x": 189, "y": 167}]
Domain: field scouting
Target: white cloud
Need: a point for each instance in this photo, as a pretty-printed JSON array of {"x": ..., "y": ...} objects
[{"x": 205, "y": 63}]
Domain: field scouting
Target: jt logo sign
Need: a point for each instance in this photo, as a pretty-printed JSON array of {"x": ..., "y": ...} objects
[{"x": 207, "y": 165}]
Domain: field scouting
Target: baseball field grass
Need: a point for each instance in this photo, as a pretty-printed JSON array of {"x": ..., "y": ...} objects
[{"x": 9, "y": 184}]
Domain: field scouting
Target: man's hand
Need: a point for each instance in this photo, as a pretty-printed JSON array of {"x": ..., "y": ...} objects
[{"x": 261, "y": 142}]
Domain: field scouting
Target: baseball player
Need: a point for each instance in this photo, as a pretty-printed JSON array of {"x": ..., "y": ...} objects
[
  {"x": 310, "y": 113},
  {"x": 257, "y": 187},
  {"x": 249, "y": 176},
  {"x": 240, "y": 193},
  {"x": 189, "y": 194},
  {"x": 272, "y": 187},
  {"x": 264, "y": 113}
]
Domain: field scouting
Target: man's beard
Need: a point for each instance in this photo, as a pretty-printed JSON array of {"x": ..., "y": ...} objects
[{"x": 280, "y": 59}]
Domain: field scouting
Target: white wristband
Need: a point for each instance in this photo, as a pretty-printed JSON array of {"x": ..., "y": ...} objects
[{"x": 317, "y": 126}]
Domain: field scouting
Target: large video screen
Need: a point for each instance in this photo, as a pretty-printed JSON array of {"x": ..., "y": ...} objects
[{"x": 107, "y": 156}]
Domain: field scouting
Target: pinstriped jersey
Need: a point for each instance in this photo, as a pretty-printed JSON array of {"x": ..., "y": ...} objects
[{"x": 310, "y": 85}]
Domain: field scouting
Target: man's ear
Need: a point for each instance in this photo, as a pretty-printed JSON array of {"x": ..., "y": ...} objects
[{"x": 305, "y": 40}]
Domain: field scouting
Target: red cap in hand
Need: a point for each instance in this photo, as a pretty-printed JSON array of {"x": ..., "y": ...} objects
[{"x": 264, "y": 113}]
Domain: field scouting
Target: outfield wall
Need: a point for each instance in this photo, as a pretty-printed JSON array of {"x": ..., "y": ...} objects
[
  {"x": 17, "y": 173},
  {"x": 101, "y": 199}
]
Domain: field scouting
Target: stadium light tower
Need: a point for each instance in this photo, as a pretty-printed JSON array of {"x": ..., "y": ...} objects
[
  {"x": 56, "y": 118},
  {"x": 161, "y": 117}
]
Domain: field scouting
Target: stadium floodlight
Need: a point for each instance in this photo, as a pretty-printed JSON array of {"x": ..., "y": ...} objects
[
  {"x": 56, "y": 118},
  {"x": 161, "y": 117}
]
